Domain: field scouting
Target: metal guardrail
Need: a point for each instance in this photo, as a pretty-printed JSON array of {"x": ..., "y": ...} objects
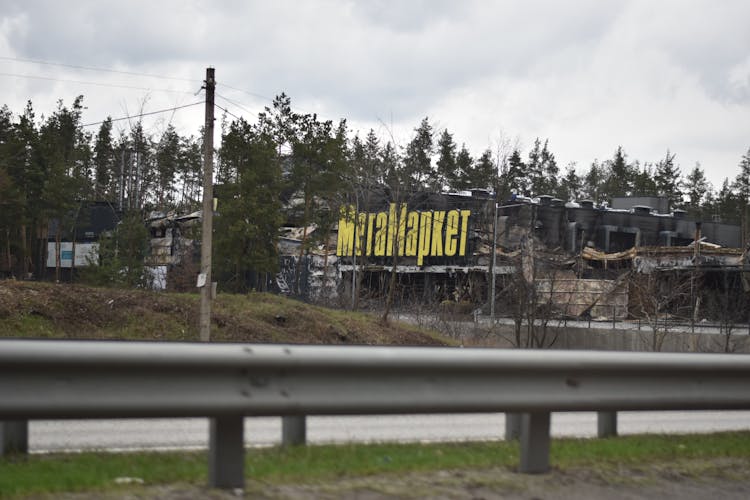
[{"x": 76, "y": 379}]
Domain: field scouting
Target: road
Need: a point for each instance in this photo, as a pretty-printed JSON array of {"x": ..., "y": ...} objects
[
  {"x": 595, "y": 324},
  {"x": 192, "y": 433}
]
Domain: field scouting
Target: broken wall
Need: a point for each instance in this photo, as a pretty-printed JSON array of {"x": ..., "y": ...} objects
[{"x": 595, "y": 298}]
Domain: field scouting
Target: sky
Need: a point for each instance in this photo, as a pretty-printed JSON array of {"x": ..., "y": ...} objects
[{"x": 586, "y": 75}]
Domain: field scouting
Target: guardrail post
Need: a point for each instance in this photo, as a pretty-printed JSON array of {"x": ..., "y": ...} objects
[
  {"x": 535, "y": 442},
  {"x": 512, "y": 426},
  {"x": 293, "y": 430},
  {"x": 14, "y": 437},
  {"x": 226, "y": 452},
  {"x": 606, "y": 423}
]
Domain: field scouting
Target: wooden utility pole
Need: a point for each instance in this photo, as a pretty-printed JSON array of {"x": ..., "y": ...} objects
[
  {"x": 204, "y": 279},
  {"x": 493, "y": 277}
]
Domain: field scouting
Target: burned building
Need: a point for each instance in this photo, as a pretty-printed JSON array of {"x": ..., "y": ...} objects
[
  {"x": 436, "y": 244},
  {"x": 430, "y": 241},
  {"x": 573, "y": 226},
  {"x": 73, "y": 242},
  {"x": 454, "y": 246},
  {"x": 174, "y": 251},
  {"x": 634, "y": 243}
]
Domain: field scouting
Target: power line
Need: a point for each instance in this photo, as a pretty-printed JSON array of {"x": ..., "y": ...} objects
[
  {"x": 297, "y": 110},
  {"x": 121, "y": 72},
  {"x": 131, "y": 73},
  {"x": 228, "y": 112},
  {"x": 94, "y": 68},
  {"x": 245, "y": 91},
  {"x": 233, "y": 103},
  {"x": 130, "y": 87},
  {"x": 99, "y": 84},
  {"x": 139, "y": 115}
]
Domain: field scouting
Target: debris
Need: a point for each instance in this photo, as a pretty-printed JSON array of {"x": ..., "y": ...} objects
[{"x": 128, "y": 480}]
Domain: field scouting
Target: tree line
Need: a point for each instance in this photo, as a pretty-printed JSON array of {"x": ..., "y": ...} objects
[{"x": 291, "y": 168}]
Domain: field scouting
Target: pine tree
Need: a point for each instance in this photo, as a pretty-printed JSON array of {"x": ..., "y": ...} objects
[
  {"x": 366, "y": 162},
  {"x": 121, "y": 256},
  {"x": 372, "y": 158},
  {"x": 542, "y": 170},
  {"x": 570, "y": 186},
  {"x": 393, "y": 173},
  {"x": 643, "y": 180},
  {"x": 535, "y": 170},
  {"x": 417, "y": 162},
  {"x": 280, "y": 122},
  {"x": 593, "y": 182},
  {"x": 26, "y": 169},
  {"x": 189, "y": 173},
  {"x": 446, "y": 176},
  {"x": 728, "y": 203},
  {"x": 11, "y": 208},
  {"x": 516, "y": 179},
  {"x": 667, "y": 179},
  {"x": 167, "y": 165},
  {"x": 250, "y": 182},
  {"x": 64, "y": 184},
  {"x": 105, "y": 169},
  {"x": 742, "y": 181},
  {"x": 320, "y": 173},
  {"x": 551, "y": 170},
  {"x": 696, "y": 188},
  {"x": 480, "y": 172},
  {"x": 742, "y": 186},
  {"x": 618, "y": 175},
  {"x": 139, "y": 175},
  {"x": 709, "y": 208}
]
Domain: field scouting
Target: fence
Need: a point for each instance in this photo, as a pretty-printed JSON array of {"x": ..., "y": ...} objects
[{"x": 225, "y": 382}]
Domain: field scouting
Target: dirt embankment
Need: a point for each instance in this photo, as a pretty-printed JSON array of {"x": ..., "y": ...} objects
[
  {"x": 34, "y": 309},
  {"x": 687, "y": 480}
]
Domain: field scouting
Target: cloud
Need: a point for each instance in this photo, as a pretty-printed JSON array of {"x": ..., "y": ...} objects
[{"x": 588, "y": 75}]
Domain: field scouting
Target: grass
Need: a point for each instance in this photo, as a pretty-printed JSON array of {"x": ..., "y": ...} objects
[
  {"x": 92, "y": 472},
  {"x": 46, "y": 310},
  {"x": 37, "y": 474}
]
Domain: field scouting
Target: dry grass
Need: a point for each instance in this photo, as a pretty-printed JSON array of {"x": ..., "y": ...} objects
[{"x": 34, "y": 309}]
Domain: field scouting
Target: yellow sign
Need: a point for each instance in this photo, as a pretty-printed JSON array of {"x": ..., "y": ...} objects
[{"x": 420, "y": 234}]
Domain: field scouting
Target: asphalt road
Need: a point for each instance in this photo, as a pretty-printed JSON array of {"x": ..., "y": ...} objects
[{"x": 192, "y": 433}]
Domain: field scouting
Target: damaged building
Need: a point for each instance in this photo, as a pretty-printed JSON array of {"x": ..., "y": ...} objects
[
  {"x": 73, "y": 243},
  {"x": 433, "y": 241},
  {"x": 630, "y": 260},
  {"x": 572, "y": 260},
  {"x": 582, "y": 258},
  {"x": 174, "y": 250},
  {"x": 171, "y": 259}
]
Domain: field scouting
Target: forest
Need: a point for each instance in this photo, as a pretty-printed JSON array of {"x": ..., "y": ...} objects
[{"x": 290, "y": 168}]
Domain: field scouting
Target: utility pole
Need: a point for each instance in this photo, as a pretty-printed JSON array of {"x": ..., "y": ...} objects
[
  {"x": 204, "y": 278},
  {"x": 493, "y": 277}
]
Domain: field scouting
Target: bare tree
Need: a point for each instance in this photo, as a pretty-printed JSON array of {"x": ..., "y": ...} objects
[
  {"x": 528, "y": 294},
  {"x": 728, "y": 303},
  {"x": 657, "y": 296}
]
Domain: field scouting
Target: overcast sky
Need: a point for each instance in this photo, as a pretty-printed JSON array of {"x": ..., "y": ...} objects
[{"x": 589, "y": 75}]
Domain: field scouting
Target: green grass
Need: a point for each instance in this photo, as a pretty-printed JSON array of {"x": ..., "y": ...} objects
[
  {"x": 29, "y": 326},
  {"x": 50, "y": 474},
  {"x": 35, "y": 474},
  {"x": 629, "y": 450}
]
